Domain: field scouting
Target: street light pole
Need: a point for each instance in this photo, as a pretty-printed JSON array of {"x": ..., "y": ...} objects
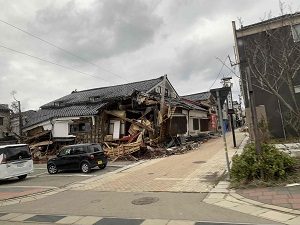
[
  {"x": 230, "y": 110},
  {"x": 223, "y": 133}
]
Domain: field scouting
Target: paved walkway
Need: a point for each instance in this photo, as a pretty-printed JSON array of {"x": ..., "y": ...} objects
[
  {"x": 288, "y": 197},
  {"x": 195, "y": 171}
]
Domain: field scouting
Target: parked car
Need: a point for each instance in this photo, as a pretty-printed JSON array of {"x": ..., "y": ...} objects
[
  {"x": 15, "y": 161},
  {"x": 78, "y": 157}
]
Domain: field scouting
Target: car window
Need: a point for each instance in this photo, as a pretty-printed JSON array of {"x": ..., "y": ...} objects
[
  {"x": 96, "y": 147},
  {"x": 17, "y": 152},
  {"x": 65, "y": 151},
  {"x": 78, "y": 150},
  {"x": 90, "y": 149}
]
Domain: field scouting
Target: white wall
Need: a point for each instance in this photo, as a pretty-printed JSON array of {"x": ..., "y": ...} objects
[{"x": 61, "y": 129}]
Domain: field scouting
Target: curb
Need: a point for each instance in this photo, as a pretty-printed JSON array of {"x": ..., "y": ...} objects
[{"x": 233, "y": 201}]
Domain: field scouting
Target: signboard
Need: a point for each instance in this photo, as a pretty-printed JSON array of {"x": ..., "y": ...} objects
[
  {"x": 213, "y": 120},
  {"x": 230, "y": 109}
]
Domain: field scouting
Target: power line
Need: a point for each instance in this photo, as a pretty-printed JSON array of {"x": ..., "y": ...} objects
[
  {"x": 218, "y": 75},
  {"x": 53, "y": 63},
  {"x": 63, "y": 50}
]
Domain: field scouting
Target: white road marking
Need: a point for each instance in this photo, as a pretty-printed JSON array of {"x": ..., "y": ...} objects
[
  {"x": 28, "y": 187},
  {"x": 69, "y": 175}
]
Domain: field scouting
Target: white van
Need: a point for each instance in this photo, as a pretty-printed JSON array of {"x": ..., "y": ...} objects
[{"x": 15, "y": 161}]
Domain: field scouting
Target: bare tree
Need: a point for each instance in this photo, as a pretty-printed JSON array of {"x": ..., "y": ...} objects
[
  {"x": 272, "y": 52},
  {"x": 274, "y": 61}
]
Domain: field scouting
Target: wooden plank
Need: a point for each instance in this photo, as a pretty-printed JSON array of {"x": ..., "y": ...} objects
[
  {"x": 42, "y": 143},
  {"x": 131, "y": 121}
]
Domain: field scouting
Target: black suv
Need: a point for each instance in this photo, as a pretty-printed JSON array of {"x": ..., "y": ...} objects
[{"x": 78, "y": 157}]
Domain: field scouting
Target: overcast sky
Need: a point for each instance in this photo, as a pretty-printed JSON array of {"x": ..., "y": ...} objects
[{"x": 122, "y": 40}]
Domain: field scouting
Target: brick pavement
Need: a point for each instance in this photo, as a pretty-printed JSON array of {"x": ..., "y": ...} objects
[
  {"x": 18, "y": 192},
  {"x": 288, "y": 197},
  {"x": 194, "y": 171}
]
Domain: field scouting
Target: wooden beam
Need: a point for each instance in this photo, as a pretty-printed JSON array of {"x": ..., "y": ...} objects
[{"x": 131, "y": 121}]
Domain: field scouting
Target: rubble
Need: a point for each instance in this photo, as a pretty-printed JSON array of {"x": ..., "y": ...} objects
[{"x": 143, "y": 130}]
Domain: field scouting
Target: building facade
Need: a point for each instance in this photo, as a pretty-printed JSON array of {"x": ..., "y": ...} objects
[{"x": 268, "y": 57}]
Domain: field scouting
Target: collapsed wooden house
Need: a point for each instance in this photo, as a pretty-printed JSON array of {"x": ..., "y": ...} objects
[{"x": 123, "y": 118}]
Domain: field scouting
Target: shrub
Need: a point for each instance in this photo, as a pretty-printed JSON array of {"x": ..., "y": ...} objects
[{"x": 274, "y": 164}]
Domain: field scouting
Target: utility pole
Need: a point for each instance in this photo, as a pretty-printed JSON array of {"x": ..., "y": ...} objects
[
  {"x": 221, "y": 94},
  {"x": 163, "y": 92},
  {"x": 20, "y": 116},
  {"x": 253, "y": 114},
  {"x": 227, "y": 83},
  {"x": 162, "y": 105},
  {"x": 223, "y": 133}
]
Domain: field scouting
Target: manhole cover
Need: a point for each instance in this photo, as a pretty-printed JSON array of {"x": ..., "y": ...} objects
[
  {"x": 199, "y": 162},
  {"x": 145, "y": 201}
]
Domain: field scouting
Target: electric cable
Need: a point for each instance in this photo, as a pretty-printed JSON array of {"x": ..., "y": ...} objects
[
  {"x": 63, "y": 50},
  {"x": 53, "y": 63}
]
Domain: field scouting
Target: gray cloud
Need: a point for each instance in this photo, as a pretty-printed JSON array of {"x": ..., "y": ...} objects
[
  {"x": 107, "y": 29},
  {"x": 134, "y": 39}
]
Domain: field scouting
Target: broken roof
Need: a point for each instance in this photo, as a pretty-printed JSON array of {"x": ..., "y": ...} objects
[
  {"x": 185, "y": 104},
  {"x": 103, "y": 93},
  {"x": 198, "y": 96},
  {"x": 43, "y": 115},
  {"x": 87, "y": 102},
  {"x": 4, "y": 107}
]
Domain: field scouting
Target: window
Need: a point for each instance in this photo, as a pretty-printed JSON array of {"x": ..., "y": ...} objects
[
  {"x": 166, "y": 92},
  {"x": 195, "y": 124},
  {"x": 1, "y": 121},
  {"x": 65, "y": 151},
  {"x": 111, "y": 128},
  {"x": 296, "y": 32},
  {"x": 159, "y": 89},
  {"x": 78, "y": 150},
  {"x": 122, "y": 128},
  {"x": 94, "y": 98},
  {"x": 178, "y": 125},
  {"x": 80, "y": 127}
]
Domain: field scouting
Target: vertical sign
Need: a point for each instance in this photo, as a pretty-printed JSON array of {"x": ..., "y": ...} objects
[{"x": 230, "y": 103}]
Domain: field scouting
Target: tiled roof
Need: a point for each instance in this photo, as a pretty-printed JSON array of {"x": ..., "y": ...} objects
[
  {"x": 67, "y": 111},
  {"x": 184, "y": 104},
  {"x": 4, "y": 108},
  {"x": 103, "y": 93},
  {"x": 198, "y": 96},
  {"x": 78, "y": 103}
]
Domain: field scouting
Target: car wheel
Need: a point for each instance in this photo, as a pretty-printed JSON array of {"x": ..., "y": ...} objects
[
  {"x": 22, "y": 177},
  {"x": 52, "y": 169},
  {"x": 85, "y": 167},
  {"x": 102, "y": 166}
]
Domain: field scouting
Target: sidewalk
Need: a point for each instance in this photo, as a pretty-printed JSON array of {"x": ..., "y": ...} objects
[
  {"x": 195, "y": 171},
  {"x": 280, "y": 204}
]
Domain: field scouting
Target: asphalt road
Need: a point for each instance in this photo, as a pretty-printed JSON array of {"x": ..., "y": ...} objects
[{"x": 40, "y": 178}]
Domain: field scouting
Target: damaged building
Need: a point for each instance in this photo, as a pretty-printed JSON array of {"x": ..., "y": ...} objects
[{"x": 123, "y": 118}]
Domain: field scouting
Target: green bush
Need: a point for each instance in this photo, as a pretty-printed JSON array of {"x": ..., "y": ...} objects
[{"x": 274, "y": 164}]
